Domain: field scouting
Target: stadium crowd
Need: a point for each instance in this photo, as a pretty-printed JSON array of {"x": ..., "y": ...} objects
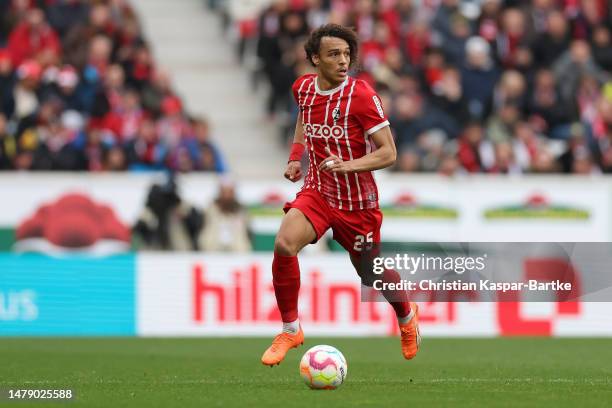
[
  {"x": 79, "y": 90},
  {"x": 470, "y": 86}
]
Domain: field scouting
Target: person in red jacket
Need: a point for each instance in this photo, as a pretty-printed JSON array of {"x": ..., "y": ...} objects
[{"x": 32, "y": 36}]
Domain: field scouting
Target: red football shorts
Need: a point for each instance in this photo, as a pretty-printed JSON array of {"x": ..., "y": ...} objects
[{"x": 356, "y": 231}]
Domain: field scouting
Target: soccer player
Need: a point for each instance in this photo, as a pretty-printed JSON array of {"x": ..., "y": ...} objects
[{"x": 338, "y": 121}]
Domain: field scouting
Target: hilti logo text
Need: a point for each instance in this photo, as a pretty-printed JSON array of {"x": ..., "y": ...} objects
[
  {"x": 249, "y": 297},
  {"x": 323, "y": 131}
]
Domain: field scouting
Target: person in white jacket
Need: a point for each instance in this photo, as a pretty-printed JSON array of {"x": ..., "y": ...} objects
[{"x": 226, "y": 224}]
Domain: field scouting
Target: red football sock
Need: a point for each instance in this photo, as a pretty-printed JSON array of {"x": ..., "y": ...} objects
[
  {"x": 398, "y": 299},
  {"x": 286, "y": 281}
]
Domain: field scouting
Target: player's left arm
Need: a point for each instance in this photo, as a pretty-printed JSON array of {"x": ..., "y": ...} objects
[{"x": 384, "y": 156}]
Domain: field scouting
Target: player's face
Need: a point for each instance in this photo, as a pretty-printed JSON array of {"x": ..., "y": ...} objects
[{"x": 333, "y": 59}]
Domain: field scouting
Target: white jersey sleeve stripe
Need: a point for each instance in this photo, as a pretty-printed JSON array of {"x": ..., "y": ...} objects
[
  {"x": 301, "y": 111},
  {"x": 377, "y": 127},
  {"x": 348, "y": 144},
  {"x": 309, "y": 177},
  {"x": 327, "y": 144},
  {"x": 314, "y": 157}
]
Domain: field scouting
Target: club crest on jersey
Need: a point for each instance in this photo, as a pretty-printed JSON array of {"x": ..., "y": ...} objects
[
  {"x": 336, "y": 114},
  {"x": 316, "y": 130}
]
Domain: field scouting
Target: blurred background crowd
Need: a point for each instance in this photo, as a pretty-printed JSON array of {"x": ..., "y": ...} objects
[
  {"x": 470, "y": 86},
  {"x": 79, "y": 90}
]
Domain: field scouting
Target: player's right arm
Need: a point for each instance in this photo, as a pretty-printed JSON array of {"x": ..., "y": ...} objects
[{"x": 294, "y": 165}]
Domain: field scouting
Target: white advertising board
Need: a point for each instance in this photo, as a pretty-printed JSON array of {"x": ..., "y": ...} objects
[
  {"x": 225, "y": 295},
  {"x": 416, "y": 208}
]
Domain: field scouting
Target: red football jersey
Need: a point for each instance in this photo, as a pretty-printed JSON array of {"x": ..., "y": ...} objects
[{"x": 343, "y": 120}]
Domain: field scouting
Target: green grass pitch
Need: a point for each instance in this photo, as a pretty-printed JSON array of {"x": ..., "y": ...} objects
[{"x": 219, "y": 372}]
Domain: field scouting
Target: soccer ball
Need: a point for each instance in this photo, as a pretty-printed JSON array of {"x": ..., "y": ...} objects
[{"x": 323, "y": 367}]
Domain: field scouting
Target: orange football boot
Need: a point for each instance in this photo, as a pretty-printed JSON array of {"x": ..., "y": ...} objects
[
  {"x": 411, "y": 338},
  {"x": 280, "y": 346}
]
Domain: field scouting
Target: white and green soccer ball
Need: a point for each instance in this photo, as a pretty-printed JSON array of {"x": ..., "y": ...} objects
[{"x": 323, "y": 367}]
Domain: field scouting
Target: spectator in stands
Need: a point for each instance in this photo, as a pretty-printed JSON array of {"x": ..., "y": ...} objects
[
  {"x": 154, "y": 93},
  {"x": 139, "y": 69},
  {"x": 406, "y": 120},
  {"x": 453, "y": 45},
  {"x": 8, "y": 146},
  {"x": 113, "y": 159},
  {"x": 93, "y": 74},
  {"x": 475, "y": 152},
  {"x": 447, "y": 96},
  {"x": 546, "y": 107},
  {"x": 372, "y": 51},
  {"x": 576, "y": 62},
  {"x": 78, "y": 38},
  {"x": 128, "y": 39},
  {"x": 525, "y": 145},
  {"x": 7, "y": 83},
  {"x": 56, "y": 148},
  {"x": 32, "y": 37},
  {"x": 99, "y": 56},
  {"x": 31, "y": 133},
  {"x": 147, "y": 151},
  {"x": 602, "y": 129},
  {"x": 173, "y": 127},
  {"x": 587, "y": 99},
  {"x": 24, "y": 100},
  {"x": 544, "y": 161},
  {"x": 430, "y": 147},
  {"x": 539, "y": 13},
  {"x": 550, "y": 44},
  {"x": 128, "y": 115},
  {"x": 63, "y": 85},
  {"x": 478, "y": 77},
  {"x": 5, "y": 22},
  {"x": 512, "y": 36},
  {"x": 104, "y": 98},
  {"x": 63, "y": 15},
  {"x": 226, "y": 225},
  {"x": 577, "y": 151},
  {"x": 602, "y": 47},
  {"x": 584, "y": 163},
  {"x": 589, "y": 14},
  {"x": 510, "y": 90},
  {"x": 505, "y": 160},
  {"x": 449, "y": 164},
  {"x": 487, "y": 23},
  {"x": 282, "y": 29},
  {"x": 387, "y": 74},
  {"x": 501, "y": 125},
  {"x": 442, "y": 21},
  {"x": 209, "y": 158},
  {"x": 418, "y": 42},
  {"x": 93, "y": 149}
]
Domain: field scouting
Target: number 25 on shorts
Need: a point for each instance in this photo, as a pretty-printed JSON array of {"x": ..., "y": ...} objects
[{"x": 361, "y": 241}]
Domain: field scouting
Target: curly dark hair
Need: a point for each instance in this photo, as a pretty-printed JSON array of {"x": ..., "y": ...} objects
[{"x": 313, "y": 45}]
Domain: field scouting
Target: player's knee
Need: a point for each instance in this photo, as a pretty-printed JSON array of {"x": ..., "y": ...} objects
[{"x": 285, "y": 246}]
